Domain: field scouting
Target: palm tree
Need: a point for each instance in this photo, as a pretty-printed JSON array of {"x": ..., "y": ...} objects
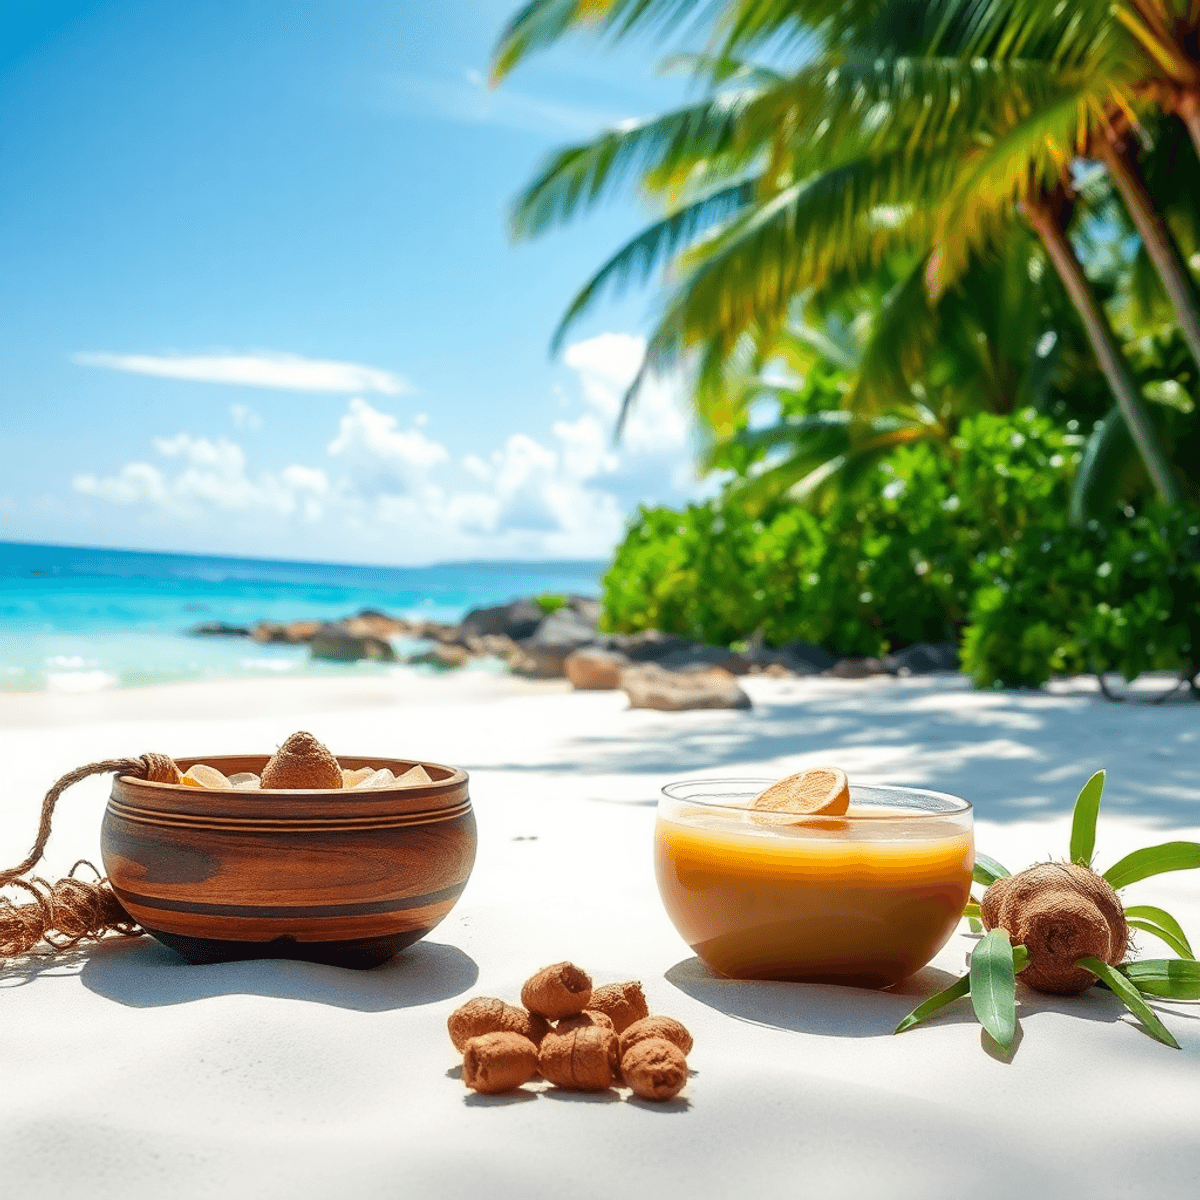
[{"x": 836, "y": 167}]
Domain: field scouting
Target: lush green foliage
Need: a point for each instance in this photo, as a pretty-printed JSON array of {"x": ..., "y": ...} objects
[
  {"x": 904, "y": 365},
  {"x": 970, "y": 536},
  {"x": 1122, "y": 597}
]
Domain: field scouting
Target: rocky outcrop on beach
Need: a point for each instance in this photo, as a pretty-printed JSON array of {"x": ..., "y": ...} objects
[
  {"x": 654, "y": 669},
  {"x": 649, "y": 685}
]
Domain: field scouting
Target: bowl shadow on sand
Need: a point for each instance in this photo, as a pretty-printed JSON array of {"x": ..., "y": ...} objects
[
  {"x": 142, "y": 973},
  {"x": 829, "y": 1010}
]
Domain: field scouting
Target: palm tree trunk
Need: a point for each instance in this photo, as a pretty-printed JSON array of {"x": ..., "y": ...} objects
[
  {"x": 1188, "y": 109},
  {"x": 1108, "y": 352},
  {"x": 1157, "y": 239}
]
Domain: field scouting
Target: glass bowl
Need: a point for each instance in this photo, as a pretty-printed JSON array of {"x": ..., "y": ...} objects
[{"x": 864, "y": 899}]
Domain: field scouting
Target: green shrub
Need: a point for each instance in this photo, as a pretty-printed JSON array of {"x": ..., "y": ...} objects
[
  {"x": 893, "y": 562},
  {"x": 550, "y": 602},
  {"x": 1125, "y": 598}
]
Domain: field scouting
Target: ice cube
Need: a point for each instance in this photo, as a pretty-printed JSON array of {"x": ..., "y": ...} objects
[
  {"x": 413, "y": 775},
  {"x": 204, "y": 776},
  {"x": 380, "y": 779}
]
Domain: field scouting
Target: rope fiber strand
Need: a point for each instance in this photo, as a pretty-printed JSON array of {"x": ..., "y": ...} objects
[{"x": 73, "y": 910}]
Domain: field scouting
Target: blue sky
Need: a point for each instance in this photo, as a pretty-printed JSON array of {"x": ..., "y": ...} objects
[{"x": 258, "y": 295}]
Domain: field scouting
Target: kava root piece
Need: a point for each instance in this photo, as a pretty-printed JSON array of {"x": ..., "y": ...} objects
[
  {"x": 655, "y": 1069},
  {"x": 582, "y": 1057},
  {"x": 557, "y": 991},
  {"x": 499, "y": 1062},
  {"x": 485, "y": 1014},
  {"x": 623, "y": 1002},
  {"x": 665, "y": 1028}
]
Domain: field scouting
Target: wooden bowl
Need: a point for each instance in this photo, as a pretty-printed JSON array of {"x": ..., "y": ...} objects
[{"x": 345, "y": 877}]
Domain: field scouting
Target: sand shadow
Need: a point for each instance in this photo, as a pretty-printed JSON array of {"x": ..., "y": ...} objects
[
  {"x": 1015, "y": 754},
  {"x": 144, "y": 974},
  {"x": 827, "y": 1010}
]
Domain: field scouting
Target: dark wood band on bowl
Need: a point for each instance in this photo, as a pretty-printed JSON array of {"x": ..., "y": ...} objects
[{"x": 326, "y": 875}]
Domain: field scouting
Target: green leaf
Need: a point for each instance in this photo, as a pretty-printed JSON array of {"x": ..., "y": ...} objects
[
  {"x": 1171, "y": 978},
  {"x": 970, "y": 909},
  {"x": 1162, "y": 918},
  {"x": 1083, "y": 824},
  {"x": 1130, "y": 997},
  {"x": 958, "y": 989},
  {"x": 1153, "y": 860},
  {"x": 1165, "y": 922},
  {"x": 1020, "y": 958},
  {"x": 994, "y": 987},
  {"x": 1179, "y": 947},
  {"x": 988, "y": 870}
]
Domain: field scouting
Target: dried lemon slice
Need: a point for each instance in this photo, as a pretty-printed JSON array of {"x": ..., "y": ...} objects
[{"x": 817, "y": 792}]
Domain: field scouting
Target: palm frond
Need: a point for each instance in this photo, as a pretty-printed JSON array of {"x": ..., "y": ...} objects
[
  {"x": 541, "y": 23},
  {"x": 650, "y": 249},
  {"x": 575, "y": 178}
]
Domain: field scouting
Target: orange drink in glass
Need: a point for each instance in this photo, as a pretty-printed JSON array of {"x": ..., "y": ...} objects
[{"x": 863, "y": 899}]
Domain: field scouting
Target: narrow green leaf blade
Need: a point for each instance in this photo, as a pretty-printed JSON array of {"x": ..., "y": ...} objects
[
  {"x": 1179, "y": 947},
  {"x": 1083, "y": 823},
  {"x": 988, "y": 870},
  {"x": 1170, "y": 978},
  {"x": 958, "y": 989},
  {"x": 1164, "y": 920},
  {"x": 1130, "y": 997},
  {"x": 994, "y": 987},
  {"x": 1153, "y": 860},
  {"x": 970, "y": 909}
]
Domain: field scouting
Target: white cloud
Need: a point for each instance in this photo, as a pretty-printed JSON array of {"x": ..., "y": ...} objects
[
  {"x": 264, "y": 369},
  {"x": 392, "y": 490},
  {"x": 212, "y": 477},
  {"x": 381, "y": 458}
]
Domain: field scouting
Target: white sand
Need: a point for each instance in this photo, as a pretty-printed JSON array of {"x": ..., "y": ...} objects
[{"x": 146, "y": 1077}]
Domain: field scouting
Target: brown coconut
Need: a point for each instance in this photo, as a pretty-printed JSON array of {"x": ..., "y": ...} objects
[
  {"x": 301, "y": 762},
  {"x": 1060, "y": 912}
]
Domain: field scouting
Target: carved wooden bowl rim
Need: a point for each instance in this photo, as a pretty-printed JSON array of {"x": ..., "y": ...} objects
[{"x": 309, "y": 808}]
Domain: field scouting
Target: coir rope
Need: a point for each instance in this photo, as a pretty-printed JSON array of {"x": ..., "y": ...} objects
[{"x": 72, "y": 910}]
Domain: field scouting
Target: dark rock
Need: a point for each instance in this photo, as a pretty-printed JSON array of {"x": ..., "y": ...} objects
[
  {"x": 443, "y": 656},
  {"x": 544, "y": 654},
  {"x": 374, "y": 624},
  {"x": 219, "y": 629},
  {"x": 588, "y": 608},
  {"x": 517, "y": 620},
  {"x": 592, "y": 668},
  {"x": 498, "y": 645},
  {"x": 922, "y": 658},
  {"x": 648, "y": 685},
  {"x": 800, "y": 655},
  {"x": 704, "y": 658},
  {"x": 856, "y": 668},
  {"x": 292, "y": 631},
  {"x": 648, "y": 646},
  {"x": 334, "y": 643}
]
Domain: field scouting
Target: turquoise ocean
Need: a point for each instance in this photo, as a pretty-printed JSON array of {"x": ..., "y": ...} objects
[{"x": 74, "y": 619}]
